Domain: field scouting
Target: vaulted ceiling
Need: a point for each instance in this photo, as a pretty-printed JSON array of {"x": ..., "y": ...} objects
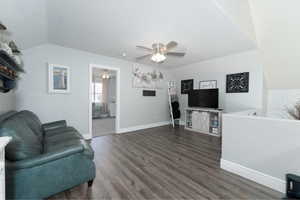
[{"x": 203, "y": 28}]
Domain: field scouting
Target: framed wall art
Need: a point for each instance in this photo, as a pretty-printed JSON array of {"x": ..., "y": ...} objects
[
  {"x": 187, "y": 85},
  {"x": 58, "y": 79},
  {"x": 237, "y": 83},
  {"x": 210, "y": 84},
  {"x": 147, "y": 78}
]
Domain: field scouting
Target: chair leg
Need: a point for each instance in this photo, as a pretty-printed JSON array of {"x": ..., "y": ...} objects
[{"x": 90, "y": 183}]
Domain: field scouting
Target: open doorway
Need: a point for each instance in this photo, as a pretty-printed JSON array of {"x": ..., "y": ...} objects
[{"x": 103, "y": 100}]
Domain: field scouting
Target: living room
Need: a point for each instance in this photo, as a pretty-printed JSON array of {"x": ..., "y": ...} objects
[{"x": 242, "y": 54}]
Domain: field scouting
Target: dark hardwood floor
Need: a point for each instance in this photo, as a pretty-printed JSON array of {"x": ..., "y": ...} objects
[{"x": 163, "y": 163}]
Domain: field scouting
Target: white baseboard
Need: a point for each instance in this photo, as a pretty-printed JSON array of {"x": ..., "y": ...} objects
[
  {"x": 141, "y": 127},
  {"x": 87, "y": 136},
  {"x": 182, "y": 123},
  {"x": 256, "y": 176}
]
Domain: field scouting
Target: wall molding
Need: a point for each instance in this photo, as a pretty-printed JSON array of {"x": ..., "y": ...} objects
[
  {"x": 256, "y": 176},
  {"x": 141, "y": 127},
  {"x": 118, "y": 101}
]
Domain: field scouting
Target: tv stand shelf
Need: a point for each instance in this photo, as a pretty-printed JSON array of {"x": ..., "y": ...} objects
[{"x": 204, "y": 120}]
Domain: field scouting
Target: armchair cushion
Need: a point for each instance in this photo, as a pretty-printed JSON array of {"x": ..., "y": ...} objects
[
  {"x": 25, "y": 144},
  {"x": 59, "y": 144},
  {"x": 54, "y": 125},
  {"x": 60, "y": 131},
  {"x": 32, "y": 121},
  {"x": 46, "y": 157}
]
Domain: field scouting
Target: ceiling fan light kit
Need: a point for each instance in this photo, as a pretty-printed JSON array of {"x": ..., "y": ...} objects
[
  {"x": 159, "y": 52},
  {"x": 158, "y": 57}
]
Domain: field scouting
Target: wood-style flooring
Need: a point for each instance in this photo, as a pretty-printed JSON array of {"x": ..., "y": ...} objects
[
  {"x": 163, "y": 163},
  {"x": 105, "y": 126}
]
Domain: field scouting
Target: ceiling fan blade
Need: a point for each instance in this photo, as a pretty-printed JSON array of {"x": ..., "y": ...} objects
[
  {"x": 179, "y": 54},
  {"x": 143, "y": 57},
  {"x": 144, "y": 48},
  {"x": 171, "y": 45}
]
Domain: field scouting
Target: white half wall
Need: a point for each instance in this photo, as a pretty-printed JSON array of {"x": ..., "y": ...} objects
[
  {"x": 33, "y": 95},
  {"x": 260, "y": 148},
  {"x": 217, "y": 69}
]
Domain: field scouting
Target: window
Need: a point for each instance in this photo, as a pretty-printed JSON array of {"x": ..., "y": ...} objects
[{"x": 97, "y": 92}]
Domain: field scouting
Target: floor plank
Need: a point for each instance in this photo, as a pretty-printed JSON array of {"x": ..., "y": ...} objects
[{"x": 163, "y": 163}]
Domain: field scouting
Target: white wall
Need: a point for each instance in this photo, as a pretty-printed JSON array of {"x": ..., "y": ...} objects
[
  {"x": 32, "y": 93},
  {"x": 277, "y": 27},
  {"x": 217, "y": 69},
  {"x": 112, "y": 89},
  {"x": 7, "y": 102}
]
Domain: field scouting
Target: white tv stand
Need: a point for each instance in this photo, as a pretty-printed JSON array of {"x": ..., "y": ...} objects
[{"x": 204, "y": 120}]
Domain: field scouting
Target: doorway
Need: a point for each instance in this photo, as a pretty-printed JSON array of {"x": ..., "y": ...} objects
[{"x": 104, "y": 100}]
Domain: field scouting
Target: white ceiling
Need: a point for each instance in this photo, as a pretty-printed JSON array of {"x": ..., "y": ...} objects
[
  {"x": 110, "y": 27},
  {"x": 26, "y": 21}
]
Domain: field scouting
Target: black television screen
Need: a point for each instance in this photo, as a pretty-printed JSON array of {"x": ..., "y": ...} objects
[{"x": 206, "y": 98}]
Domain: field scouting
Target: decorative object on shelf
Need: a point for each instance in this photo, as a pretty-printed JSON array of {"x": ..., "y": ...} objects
[
  {"x": 14, "y": 47},
  {"x": 294, "y": 112},
  {"x": 149, "y": 93},
  {"x": 187, "y": 85},
  {"x": 58, "y": 79},
  {"x": 10, "y": 63},
  {"x": 237, "y": 83},
  {"x": 147, "y": 79},
  {"x": 210, "y": 84},
  {"x": 2, "y": 26}
]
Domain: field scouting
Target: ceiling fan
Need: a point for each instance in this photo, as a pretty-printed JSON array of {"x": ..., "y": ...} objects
[{"x": 159, "y": 51}]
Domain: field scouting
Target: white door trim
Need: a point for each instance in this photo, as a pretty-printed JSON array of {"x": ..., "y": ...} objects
[{"x": 117, "y": 96}]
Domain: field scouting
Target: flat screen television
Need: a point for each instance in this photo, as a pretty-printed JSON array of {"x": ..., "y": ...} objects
[{"x": 205, "y": 98}]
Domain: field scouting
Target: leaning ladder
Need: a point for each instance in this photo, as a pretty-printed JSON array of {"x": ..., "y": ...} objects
[{"x": 171, "y": 92}]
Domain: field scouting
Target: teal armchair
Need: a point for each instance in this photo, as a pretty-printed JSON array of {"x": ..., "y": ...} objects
[{"x": 43, "y": 159}]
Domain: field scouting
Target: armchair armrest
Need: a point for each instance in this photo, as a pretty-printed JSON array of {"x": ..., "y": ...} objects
[
  {"x": 45, "y": 158},
  {"x": 54, "y": 125}
]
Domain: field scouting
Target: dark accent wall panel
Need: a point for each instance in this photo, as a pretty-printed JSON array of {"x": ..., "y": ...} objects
[{"x": 149, "y": 93}]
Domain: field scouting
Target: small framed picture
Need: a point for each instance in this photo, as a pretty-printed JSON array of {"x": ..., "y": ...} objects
[
  {"x": 211, "y": 84},
  {"x": 187, "y": 86},
  {"x": 58, "y": 79}
]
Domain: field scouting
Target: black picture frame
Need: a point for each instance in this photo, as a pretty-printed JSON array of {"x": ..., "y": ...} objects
[
  {"x": 237, "y": 83},
  {"x": 187, "y": 86}
]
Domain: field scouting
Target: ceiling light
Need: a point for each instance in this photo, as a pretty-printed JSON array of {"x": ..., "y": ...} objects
[
  {"x": 158, "y": 57},
  {"x": 105, "y": 76}
]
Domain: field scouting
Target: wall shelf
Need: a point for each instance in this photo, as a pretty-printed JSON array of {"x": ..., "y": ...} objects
[
  {"x": 7, "y": 76},
  {"x": 7, "y": 61},
  {"x": 10, "y": 64}
]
